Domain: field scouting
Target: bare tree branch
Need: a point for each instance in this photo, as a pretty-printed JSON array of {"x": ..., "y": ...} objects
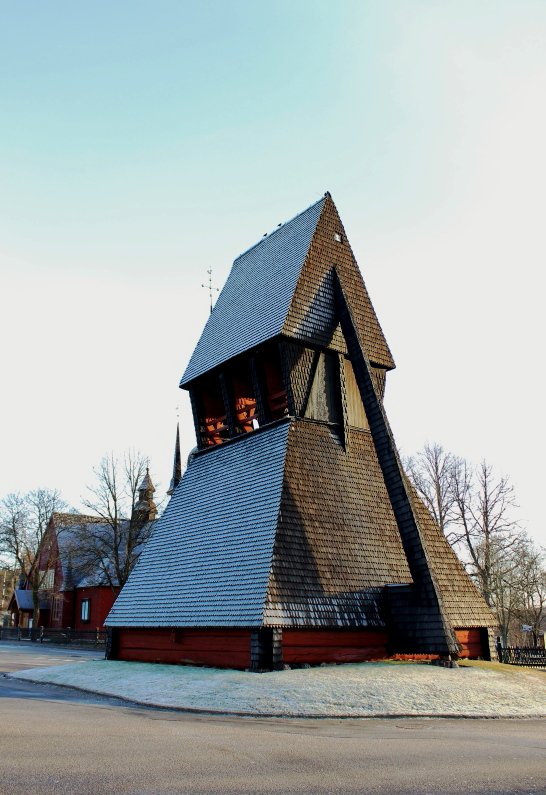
[
  {"x": 23, "y": 524},
  {"x": 476, "y": 512},
  {"x": 113, "y": 546},
  {"x": 431, "y": 471}
]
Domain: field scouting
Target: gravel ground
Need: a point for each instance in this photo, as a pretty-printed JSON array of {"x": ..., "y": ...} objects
[{"x": 358, "y": 690}]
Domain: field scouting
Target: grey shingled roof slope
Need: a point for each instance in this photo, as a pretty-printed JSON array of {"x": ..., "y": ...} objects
[
  {"x": 78, "y": 570},
  {"x": 255, "y": 300},
  {"x": 24, "y": 599},
  {"x": 207, "y": 562}
]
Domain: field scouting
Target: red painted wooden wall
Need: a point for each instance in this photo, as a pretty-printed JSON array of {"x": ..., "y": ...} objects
[
  {"x": 319, "y": 645},
  {"x": 230, "y": 648},
  {"x": 225, "y": 648},
  {"x": 102, "y": 598},
  {"x": 471, "y": 641}
]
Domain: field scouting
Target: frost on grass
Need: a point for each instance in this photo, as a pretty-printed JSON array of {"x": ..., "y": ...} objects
[{"x": 356, "y": 690}]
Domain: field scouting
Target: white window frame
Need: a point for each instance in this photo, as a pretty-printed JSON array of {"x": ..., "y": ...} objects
[
  {"x": 85, "y": 611},
  {"x": 48, "y": 580},
  {"x": 56, "y": 613}
]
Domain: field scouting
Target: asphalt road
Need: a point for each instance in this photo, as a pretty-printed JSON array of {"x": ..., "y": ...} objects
[{"x": 54, "y": 741}]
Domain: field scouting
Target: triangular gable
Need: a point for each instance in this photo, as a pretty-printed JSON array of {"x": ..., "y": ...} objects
[
  {"x": 254, "y": 302},
  {"x": 207, "y": 562},
  {"x": 312, "y": 317}
]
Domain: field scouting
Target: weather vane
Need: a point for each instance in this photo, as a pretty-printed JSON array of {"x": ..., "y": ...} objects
[{"x": 211, "y": 288}]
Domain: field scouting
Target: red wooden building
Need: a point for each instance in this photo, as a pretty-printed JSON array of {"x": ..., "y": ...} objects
[
  {"x": 68, "y": 597},
  {"x": 294, "y": 536},
  {"x": 73, "y": 593}
]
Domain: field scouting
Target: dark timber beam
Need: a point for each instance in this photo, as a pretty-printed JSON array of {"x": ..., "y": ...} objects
[
  {"x": 429, "y": 622},
  {"x": 227, "y": 397},
  {"x": 259, "y": 390},
  {"x": 198, "y": 417},
  {"x": 285, "y": 370}
]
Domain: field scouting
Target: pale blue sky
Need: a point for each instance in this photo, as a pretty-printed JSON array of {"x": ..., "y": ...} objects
[{"x": 143, "y": 142}]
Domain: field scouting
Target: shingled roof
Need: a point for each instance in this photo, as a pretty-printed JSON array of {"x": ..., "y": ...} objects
[
  {"x": 78, "y": 567},
  {"x": 207, "y": 562},
  {"x": 283, "y": 285}
]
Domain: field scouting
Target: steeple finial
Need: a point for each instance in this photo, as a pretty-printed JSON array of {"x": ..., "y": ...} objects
[
  {"x": 211, "y": 289},
  {"x": 177, "y": 463}
]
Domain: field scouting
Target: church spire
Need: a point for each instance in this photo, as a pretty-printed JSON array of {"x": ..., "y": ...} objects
[
  {"x": 177, "y": 464},
  {"x": 146, "y": 507}
]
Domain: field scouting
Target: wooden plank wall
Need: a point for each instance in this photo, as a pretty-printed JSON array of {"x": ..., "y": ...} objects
[
  {"x": 355, "y": 408},
  {"x": 102, "y": 598},
  {"x": 224, "y": 648},
  {"x": 231, "y": 648},
  {"x": 317, "y": 645},
  {"x": 471, "y": 641}
]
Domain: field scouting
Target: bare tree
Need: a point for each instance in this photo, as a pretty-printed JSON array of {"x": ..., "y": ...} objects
[
  {"x": 519, "y": 589},
  {"x": 23, "y": 524},
  {"x": 506, "y": 586},
  {"x": 8, "y": 580},
  {"x": 432, "y": 471},
  {"x": 112, "y": 546},
  {"x": 490, "y": 535},
  {"x": 531, "y": 582},
  {"x": 476, "y": 512}
]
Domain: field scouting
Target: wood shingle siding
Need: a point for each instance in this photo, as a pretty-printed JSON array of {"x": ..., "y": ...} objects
[
  {"x": 426, "y": 627},
  {"x": 337, "y": 541},
  {"x": 312, "y": 315}
]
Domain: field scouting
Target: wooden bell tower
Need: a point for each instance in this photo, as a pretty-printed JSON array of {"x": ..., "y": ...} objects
[{"x": 294, "y": 536}]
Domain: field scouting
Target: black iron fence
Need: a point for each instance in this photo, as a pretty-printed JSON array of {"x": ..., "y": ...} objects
[
  {"x": 63, "y": 637},
  {"x": 529, "y": 656}
]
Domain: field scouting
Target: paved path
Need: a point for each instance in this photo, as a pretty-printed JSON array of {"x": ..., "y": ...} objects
[
  {"x": 58, "y": 742},
  {"x": 18, "y": 656}
]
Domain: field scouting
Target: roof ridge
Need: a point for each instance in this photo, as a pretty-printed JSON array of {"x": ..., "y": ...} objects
[
  {"x": 75, "y": 518},
  {"x": 279, "y": 228}
]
